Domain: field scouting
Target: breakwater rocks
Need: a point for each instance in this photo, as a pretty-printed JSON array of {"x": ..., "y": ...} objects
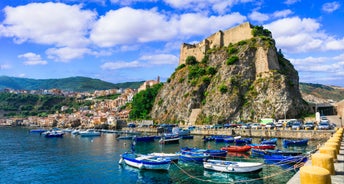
[{"x": 266, "y": 133}]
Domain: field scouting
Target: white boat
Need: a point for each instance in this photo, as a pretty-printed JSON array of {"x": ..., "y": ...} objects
[
  {"x": 149, "y": 162},
  {"x": 171, "y": 156},
  {"x": 89, "y": 133},
  {"x": 75, "y": 132},
  {"x": 232, "y": 167}
]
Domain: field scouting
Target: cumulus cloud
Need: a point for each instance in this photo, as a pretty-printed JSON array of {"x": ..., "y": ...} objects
[
  {"x": 143, "y": 61},
  {"x": 129, "y": 2},
  {"x": 290, "y": 2},
  {"x": 257, "y": 16},
  {"x": 65, "y": 54},
  {"x": 32, "y": 59},
  {"x": 120, "y": 65},
  {"x": 330, "y": 7},
  {"x": 282, "y": 13},
  {"x": 129, "y": 26},
  {"x": 218, "y": 6},
  {"x": 4, "y": 66},
  {"x": 47, "y": 23}
]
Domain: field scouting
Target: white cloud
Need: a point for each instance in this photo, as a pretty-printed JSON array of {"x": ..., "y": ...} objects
[
  {"x": 5, "y": 66},
  {"x": 48, "y": 23},
  {"x": 160, "y": 59},
  {"x": 289, "y": 2},
  {"x": 218, "y": 6},
  {"x": 130, "y": 26},
  {"x": 66, "y": 54},
  {"x": 32, "y": 59},
  {"x": 129, "y": 2},
  {"x": 282, "y": 13},
  {"x": 257, "y": 16},
  {"x": 120, "y": 65},
  {"x": 330, "y": 7}
]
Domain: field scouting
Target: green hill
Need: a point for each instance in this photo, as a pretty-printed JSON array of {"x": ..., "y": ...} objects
[
  {"x": 323, "y": 91},
  {"x": 77, "y": 84}
]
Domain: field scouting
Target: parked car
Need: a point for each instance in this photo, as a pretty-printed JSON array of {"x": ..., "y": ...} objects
[
  {"x": 255, "y": 126},
  {"x": 246, "y": 126},
  {"x": 309, "y": 125},
  {"x": 270, "y": 125},
  {"x": 297, "y": 125},
  {"x": 289, "y": 124},
  {"x": 279, "y": 125},
  {"x": 324, "y": 125}
]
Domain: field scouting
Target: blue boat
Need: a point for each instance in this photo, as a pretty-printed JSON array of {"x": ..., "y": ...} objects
[
  {"x": 187, "y": 136},
  {"x": 284, "y": 160},
  {"x": 262, "y": 153},
  {"x": 193, "y": 157},
  {"x": 144, "y": 138},
  {"x": 52, "y": 133},
  {"x": 149, "y": 162},
  {"x": 242, "y": 141},
  {"x": 211, "y": 153},
  {"x": 269, "y": 141},
  {"x": 228, "y": 140},
  {"x": 295, "y": 142},
  {"x": 222, "y": 138},
  {"x": 38, "y": 131}
]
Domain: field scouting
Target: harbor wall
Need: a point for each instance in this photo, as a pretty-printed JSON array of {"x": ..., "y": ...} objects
[{"x": 279, "y": 133}]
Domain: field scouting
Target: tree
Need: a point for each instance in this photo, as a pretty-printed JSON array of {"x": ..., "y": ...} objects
[{"x": 191, "y": 60}]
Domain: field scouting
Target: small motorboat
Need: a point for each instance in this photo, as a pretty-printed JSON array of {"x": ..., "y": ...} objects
[
  {"x": 232, "y": 167},
  {"x": 144, "y": 138},
  {"x": 148, "y": 162},
  {"x": 169, "y": 140},
  {"x": 243, "y": 141},
  {"x": 261, "y": 153},
  {"x": 212, "y": 153},
  {"x": 236, "y": 148},
  {"x": 89, "y": 133},
  {"x": 38, "y": 131},
  {"x": 295, "y": 142},
  {"x": 269, "y": 141},
  {"x": 172, "y": 156},
  {"x": 283, "y": 160},
  {"x": 262, "y": 146},
  {"x": 193, "y": 157},
  {"x": 52, "y": 133}
]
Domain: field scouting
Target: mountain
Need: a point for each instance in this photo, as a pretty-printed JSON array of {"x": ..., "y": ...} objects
[
  {"x": 225, "y": 78},
  {"x": 319, "y": 93},
  {"x": 77, "y": 84}
]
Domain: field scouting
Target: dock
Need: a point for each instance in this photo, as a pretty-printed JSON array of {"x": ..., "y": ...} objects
[{"x": 337, "y": 178}]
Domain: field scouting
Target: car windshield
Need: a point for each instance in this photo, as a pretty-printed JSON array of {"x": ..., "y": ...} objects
[
  {"x": 296, "y": 123},
  {"x": 309, "y": 123},
  {"x": 324, "y": 123}
]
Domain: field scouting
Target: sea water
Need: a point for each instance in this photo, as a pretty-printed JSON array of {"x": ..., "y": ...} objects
[{"x": 32, "y": 158}]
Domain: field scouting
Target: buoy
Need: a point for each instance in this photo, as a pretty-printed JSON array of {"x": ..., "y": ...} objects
[
  {"x": 333, "y": 145},
  {"x": 323, "y": 160},
  {"x": 314, "y": 175},
  {"x": 330, "y": 151}
]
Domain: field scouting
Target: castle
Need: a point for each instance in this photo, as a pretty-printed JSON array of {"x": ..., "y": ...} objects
[
  {"x": 218, "y": 39},
  {"x": 266, "y": 60}
]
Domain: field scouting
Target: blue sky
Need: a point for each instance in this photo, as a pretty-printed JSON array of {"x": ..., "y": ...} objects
[{"x": 135, "y": 40}]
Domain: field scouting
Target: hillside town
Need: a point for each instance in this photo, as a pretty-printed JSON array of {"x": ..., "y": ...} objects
[{"x": 109, "y": 113}]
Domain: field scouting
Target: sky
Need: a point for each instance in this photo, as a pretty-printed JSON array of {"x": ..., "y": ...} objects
[{"x": 136, "y": 40}]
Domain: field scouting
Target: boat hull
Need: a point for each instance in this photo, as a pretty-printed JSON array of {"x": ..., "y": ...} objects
[
  {"x": 232, "y": 167},
  {"x": 236, "y": 148},
  {"x": 147, "y": 162}
]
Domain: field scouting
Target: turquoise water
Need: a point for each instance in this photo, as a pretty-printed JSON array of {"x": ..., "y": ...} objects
[{"x": 31, "y": 158}]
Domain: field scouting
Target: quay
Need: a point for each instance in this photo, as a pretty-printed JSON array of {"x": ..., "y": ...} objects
[
  {"x": 266, "y": 133},
  {"x": 336, "y": 178}
]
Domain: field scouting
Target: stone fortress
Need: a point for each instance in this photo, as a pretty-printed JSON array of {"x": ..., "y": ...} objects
[{"x": 266, "y": 60}]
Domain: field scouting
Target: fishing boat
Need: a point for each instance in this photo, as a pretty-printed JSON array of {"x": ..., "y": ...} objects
[
  {"x": 261, "y": 153},
  {"x": 262, "y": 146},
  {"x": 242, "y": 141},
  {"x": 144, "y": 138},
  {"x": 295, "y": 142},
  {"x": 236, "y": 148},
  {"x": 228, "y": 139},
  {"x": 269, "y": 141},
  {"x": 172, "y": 156},
  {"x": 89, "y": 133},
  {"x": 232, "y": 167},
  {"x": 52, "y": 133},
  {"x": 222, "y": 138},
  {"x": 38, "y": 131},
  {"x": 193, "y": 157},
  {"x": 169, "y": 140},
  {"x": 148, "y": 162},
  {"x": 212, "y": 153},
  {"x": 282, "y": 160}
]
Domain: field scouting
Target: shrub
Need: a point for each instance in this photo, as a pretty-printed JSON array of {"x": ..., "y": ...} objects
[
  {"x": 191, "y": 60},
  {"x": 223, "y": 89},
  {"x": 206, "y": 79},
  {"x": 180, "y": 67},
  {"x": 232, "y": 60},
  {"x": 211, "y": 70},
  {"x": 232, "y": 50}
]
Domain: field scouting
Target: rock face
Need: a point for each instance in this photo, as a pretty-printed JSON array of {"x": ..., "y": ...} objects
[{"x": 245, "y": 81}]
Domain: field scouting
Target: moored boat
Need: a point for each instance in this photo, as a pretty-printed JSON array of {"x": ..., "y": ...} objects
[
  {"x": 212, "y": 153},
  {"x": 262, "y": 146},
  {"x": 236, "y": 148},
  {"x": 283, "y": 160},
  {"x": 295, "y": 142},
  {"x": 193, "y": 157},
  {"x": 232, "y": 167},
  {"x": 52, "y": 133},
  {"x": 169, "y": 140},
  {"x": 89, "y": 133},
  {"x": 148, "y": 162},
  {"x": 242, "y": 141},
  {"x": 144, "y": 138},
  {"x": 269, "y": 141},
  {"x": 172, "y": 156},
  {"x": 38, "y": 131},
  {"x": 261, "y": 153}
]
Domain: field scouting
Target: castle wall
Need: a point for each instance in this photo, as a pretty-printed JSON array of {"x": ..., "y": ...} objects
[
  {"x": 266, "y": 60},
  {"x": 218, "y": 39}
]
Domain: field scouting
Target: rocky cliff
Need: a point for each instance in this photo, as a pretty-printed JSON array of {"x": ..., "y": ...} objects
[{"x": 245, "y": 81}]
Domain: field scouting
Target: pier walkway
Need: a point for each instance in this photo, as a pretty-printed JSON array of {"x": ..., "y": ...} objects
[{"x": 337, "y": 178}]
